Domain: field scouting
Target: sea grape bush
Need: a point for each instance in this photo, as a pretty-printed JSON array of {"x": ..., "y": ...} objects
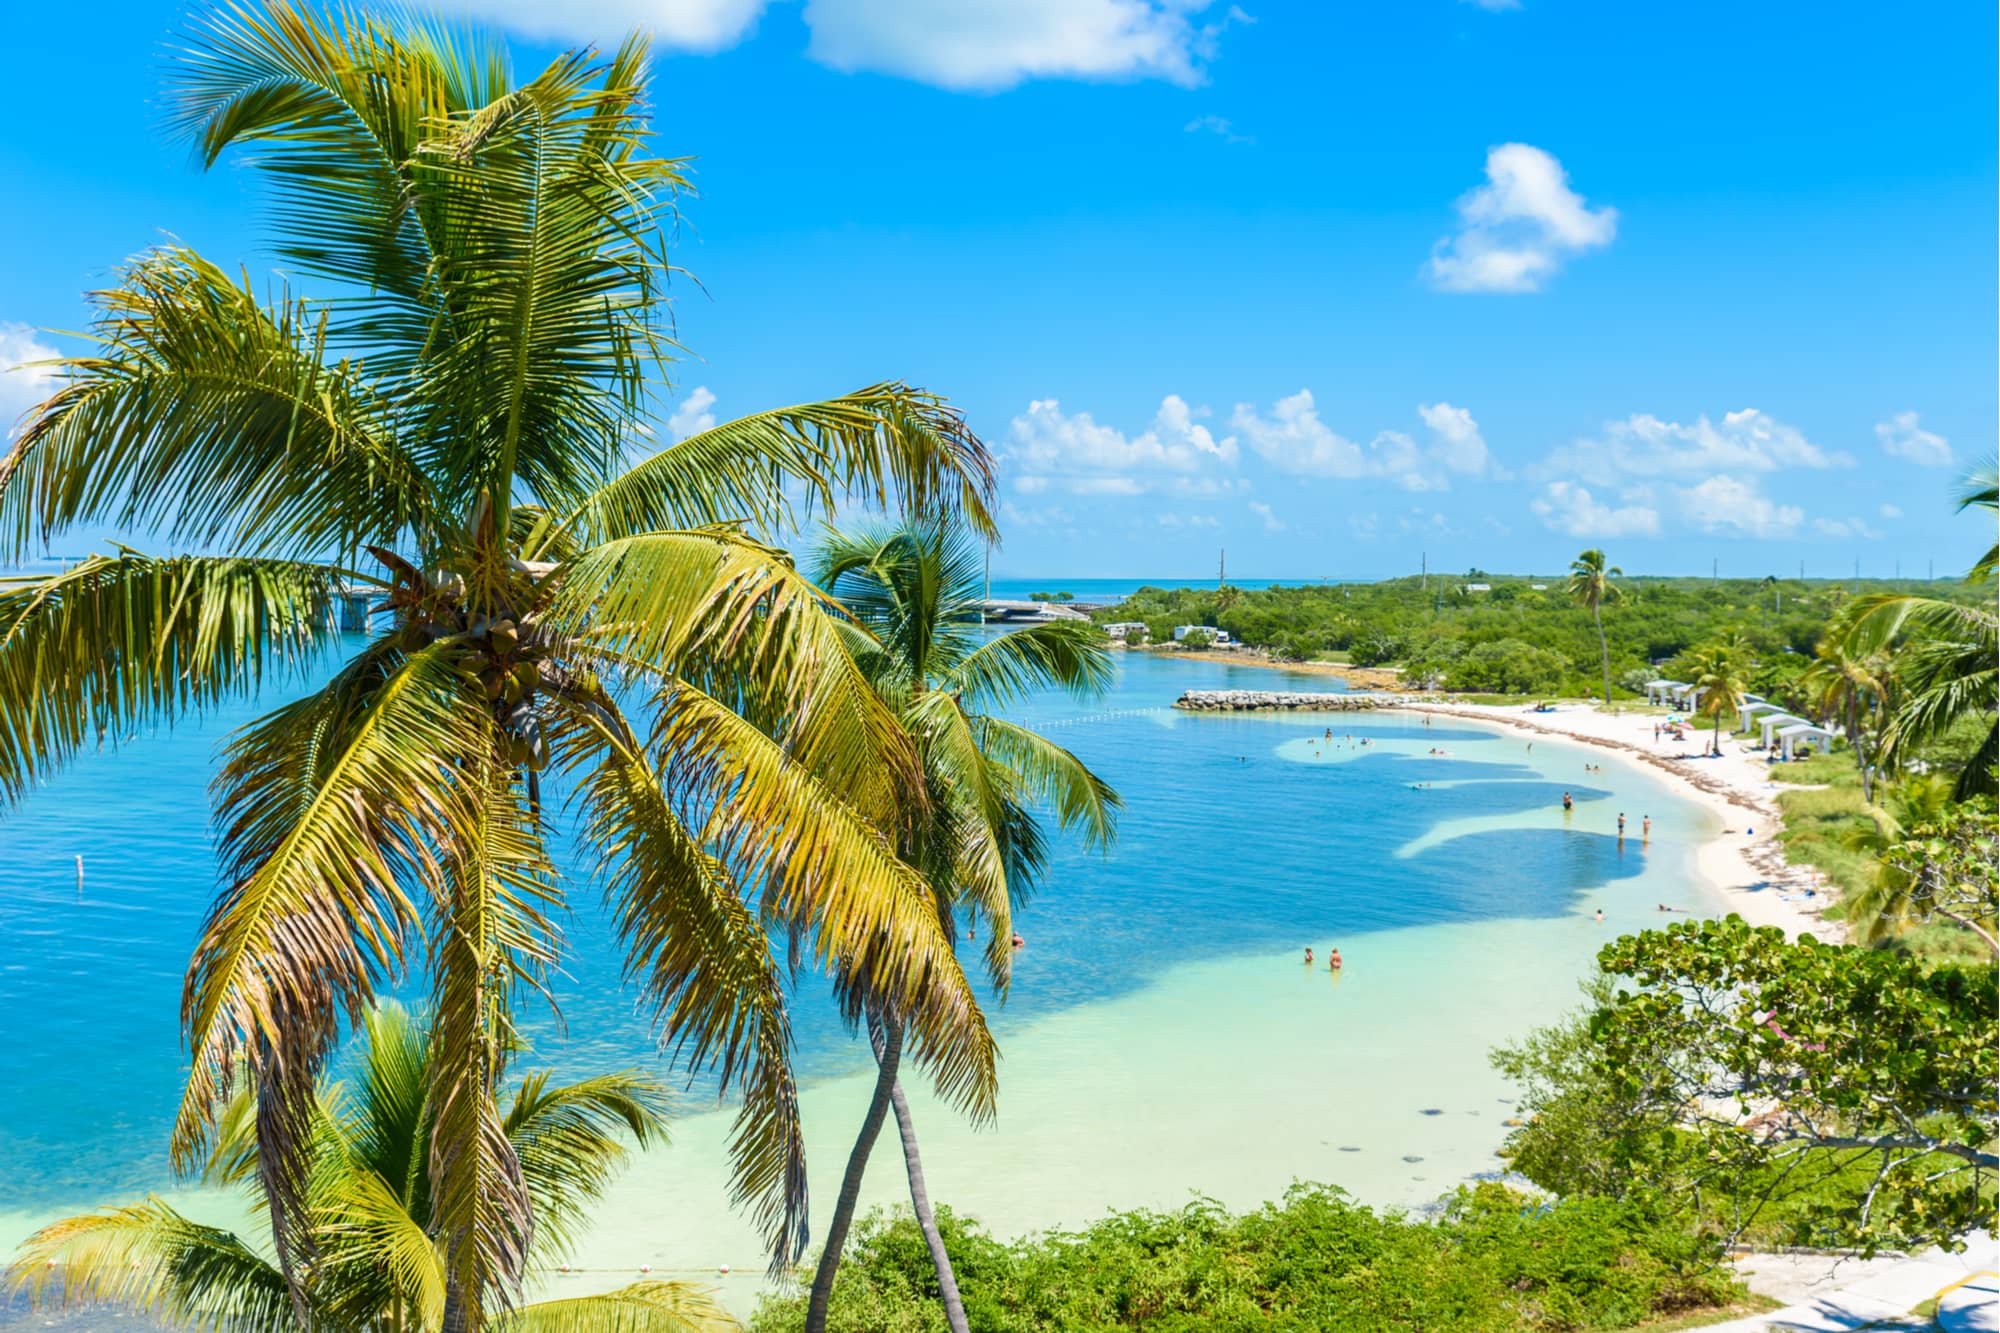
[{"x": 1493, "y": 1259}]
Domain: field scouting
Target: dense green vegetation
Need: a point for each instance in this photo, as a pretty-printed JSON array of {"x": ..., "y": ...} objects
[
  {"x": 1518, "y": 639},
  {"x": 1493, "y": 1260},
  {"x": 1774, "y": 1091}
]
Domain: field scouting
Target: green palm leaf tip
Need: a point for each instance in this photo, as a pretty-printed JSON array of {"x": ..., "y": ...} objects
[
  {"x": 378, "y": 1256},
  {"x": 450, "y": 420}
]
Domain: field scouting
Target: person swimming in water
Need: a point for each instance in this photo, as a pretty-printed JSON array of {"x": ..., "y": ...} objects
[
  {"x": 1309, "y": 955},
  {"x": 1600, "y": 914}
]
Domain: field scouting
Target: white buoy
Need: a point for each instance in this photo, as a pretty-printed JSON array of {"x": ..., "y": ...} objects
[
  {"x": 724, "y": 1270},
  {"x": 645, "y": 1268}
]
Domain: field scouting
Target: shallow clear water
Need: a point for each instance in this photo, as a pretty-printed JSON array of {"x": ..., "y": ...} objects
[{"x": 1161, "y": 1036}]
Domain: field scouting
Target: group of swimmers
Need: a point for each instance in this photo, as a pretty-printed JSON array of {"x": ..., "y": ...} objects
[{"x": 1332, "y": 959}]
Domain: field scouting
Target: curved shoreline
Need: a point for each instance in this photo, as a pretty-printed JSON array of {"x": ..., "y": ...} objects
[{"x": 1750, "y": 873}]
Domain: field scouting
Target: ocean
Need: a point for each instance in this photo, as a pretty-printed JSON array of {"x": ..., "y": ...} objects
[{"x": 1162, "y": 1037}]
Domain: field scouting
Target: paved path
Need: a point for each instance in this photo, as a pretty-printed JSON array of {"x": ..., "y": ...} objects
[{"x": 1826, "y": 1296}]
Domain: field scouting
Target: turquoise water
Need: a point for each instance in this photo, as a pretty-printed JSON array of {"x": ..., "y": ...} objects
[{"x": 1160, "y": 989}]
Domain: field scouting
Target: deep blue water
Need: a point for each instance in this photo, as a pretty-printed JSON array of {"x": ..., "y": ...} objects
[{"x": 1224, "y": 847}]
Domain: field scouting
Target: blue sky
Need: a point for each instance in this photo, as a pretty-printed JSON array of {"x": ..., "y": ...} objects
[{"x": 1334, "y": 286}]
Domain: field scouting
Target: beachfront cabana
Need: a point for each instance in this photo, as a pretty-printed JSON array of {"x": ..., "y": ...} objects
[
  {"x": 1660, "y": 692},
  {"x": 1753, "y": 711},
  {"x": 1775, "y": 721},
  {"x": 1790, "y": 736}
]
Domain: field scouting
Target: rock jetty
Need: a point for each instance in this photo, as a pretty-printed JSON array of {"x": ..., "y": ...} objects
[{"x": 1244, "y": 701}]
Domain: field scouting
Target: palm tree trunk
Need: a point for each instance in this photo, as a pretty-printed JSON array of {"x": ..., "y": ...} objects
[
  {"x": 1860, "y": 753},
  {"x": 1603, "y": 648},
  {"x": 920, "y": 1198},
  {"x": 850, "y": 1184}
]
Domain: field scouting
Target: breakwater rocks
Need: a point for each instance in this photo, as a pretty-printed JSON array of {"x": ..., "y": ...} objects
[{"x": 1246, "y": 701}]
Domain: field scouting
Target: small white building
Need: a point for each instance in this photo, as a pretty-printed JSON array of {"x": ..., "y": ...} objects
[
  {"x": 1479, "y": 587},
  {"x": 1218, "y": 636},
  {"x": 1125, "y": 629}
]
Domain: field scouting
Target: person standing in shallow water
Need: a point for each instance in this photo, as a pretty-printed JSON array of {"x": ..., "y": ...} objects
[
  {"x": 1568, "y": 804},
  {"x": 1621, "y": 826}
]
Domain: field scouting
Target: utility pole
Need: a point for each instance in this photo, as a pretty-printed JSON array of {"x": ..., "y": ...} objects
[
  {"x": 1222, "y": 569},
  {"x": 1424, "y": 582},
  {"x": 1802, "y": 571},
  {"x": 1930, "y": 570},
  {"x": 1714, "y": 569}
]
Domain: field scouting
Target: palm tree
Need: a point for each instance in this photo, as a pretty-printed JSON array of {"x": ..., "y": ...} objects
[
  {"x": 1886, "y": 908},
  {"x": 1590, "y": 585},
  {"x": 914, "y": 586},
  {"x": 1855, "y": 689},
  {"x": 457, "y": 416},
  {"x": 1717, "y": 669},
  {"x": 1947, "y": 660},
  {"x": 372, "y": 1251}
]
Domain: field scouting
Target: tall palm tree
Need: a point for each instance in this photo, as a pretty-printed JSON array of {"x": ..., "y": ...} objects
[
  {"x": 1590, "y": 584},
  {"x": 914, "y": 587},
  {"x": 1717, "y": 668},
  {"x": 1947, "y": 659},
  {"x": 374, "y": 1255},
  {"x": 451, "y": 430},
  {"x": 1854, "y": 689}
]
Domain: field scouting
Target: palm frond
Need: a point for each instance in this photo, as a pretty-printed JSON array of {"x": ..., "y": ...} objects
[
  {"x": 554, "y": 275},
  {"x": 1051, "y": 776},
  {"x": 330, "y": 810},
  {"x": 703, "y": 961},
  {"x": 567, "y": 1138},
  {"x": 125, "y": 639},
  {"x": 335, "y": 114},
  {"x": 150, "y": 1258},
  {"x": 492, "y": 933},
  {"x": 888, "y": 445},
  {"x": 644, "y": 1307},
  {"x": 374, "y": 1253},
  {"x": 1063, "y": 654},
  {"x": 728, "y": 614},
  {"x": 821, "y": 865},
  {"x": 211, "y": 417}
]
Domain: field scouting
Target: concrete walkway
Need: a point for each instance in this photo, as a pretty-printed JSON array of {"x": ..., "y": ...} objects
[{"x": 1835, "y": 1296}]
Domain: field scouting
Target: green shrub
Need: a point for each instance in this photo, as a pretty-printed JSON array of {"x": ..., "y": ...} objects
[{"x": 1492, "y": 1260}]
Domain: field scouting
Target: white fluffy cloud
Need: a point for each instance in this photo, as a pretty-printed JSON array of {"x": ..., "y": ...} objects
[
  {"x": 986, "y": 45},
  {"x": 969, "y": 45},
  {"x": 1645, "y": 446},
  {"x": 1890, "y": 511},
  {"x": 1050, "y": 448},
  {"x": 1903, "y": 438},
  {"x": 1272, "y": 523},
  {"x": 689, "y": 25},
  {"x": 1292, "y": 438},
  {"x": 22, "y": 384},
  {"x": 1737, "y": 507},
  {"x": 1569, "y": 508},
  {"x": 693, "y": 415},
  {"x": 1516, "y": 230}
]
